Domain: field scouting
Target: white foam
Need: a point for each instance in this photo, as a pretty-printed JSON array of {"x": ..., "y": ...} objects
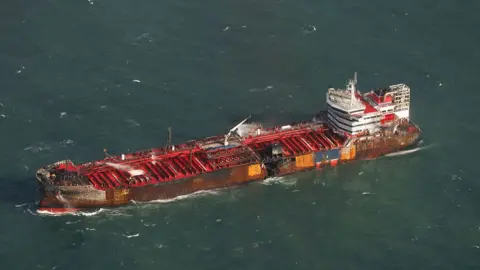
[
  {"x": 132, "y": 123},
  {"x": 280, "y": 180},
  {"x": 309, "y": 29},
  {"x": 37, "y": 148},
  {"x": 406, "y": 152},
  {"x": 181, "y": 197},
  {"x": 75, "y": 213},
  {"x": 20, "y": 70},
  {"x": 42, "y": 146},
  {"x": 72, "y": 222}
]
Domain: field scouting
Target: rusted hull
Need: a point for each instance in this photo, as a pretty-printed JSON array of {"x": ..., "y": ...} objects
[
  {"x": 75, "y": 198},
  {"x": 62, "y": 199},
  {"x": 381, "y": 146}
]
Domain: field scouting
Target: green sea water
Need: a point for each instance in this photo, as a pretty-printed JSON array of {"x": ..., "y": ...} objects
[{"x": 80, "y": 76}]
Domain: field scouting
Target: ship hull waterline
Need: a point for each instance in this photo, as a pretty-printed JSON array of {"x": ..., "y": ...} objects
[{"x": 59, "y": 199}]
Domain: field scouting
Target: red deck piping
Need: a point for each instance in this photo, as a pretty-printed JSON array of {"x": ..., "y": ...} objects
[{"x": 170, "y": 166}]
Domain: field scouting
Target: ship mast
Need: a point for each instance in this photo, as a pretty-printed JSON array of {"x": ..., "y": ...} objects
[
  {"x": 169, "y": 141},
  {"x": 351, "y": 86}
]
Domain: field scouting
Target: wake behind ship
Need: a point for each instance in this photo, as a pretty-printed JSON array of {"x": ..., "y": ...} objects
[{"x": 354, "y": 126}]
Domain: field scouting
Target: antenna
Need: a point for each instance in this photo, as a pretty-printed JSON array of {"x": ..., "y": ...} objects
[{"x": 233, "y": 129}]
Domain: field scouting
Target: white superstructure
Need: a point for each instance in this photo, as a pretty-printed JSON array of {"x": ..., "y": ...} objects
[{"x": 350, "y": 113}]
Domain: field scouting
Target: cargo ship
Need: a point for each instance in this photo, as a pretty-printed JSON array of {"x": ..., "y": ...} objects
[{"x": 353, "y": 126}]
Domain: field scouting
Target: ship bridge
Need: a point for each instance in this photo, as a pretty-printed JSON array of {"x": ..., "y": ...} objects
[
  {"x": 349, "y": 113},
  {"x": 341, "y": 100}
]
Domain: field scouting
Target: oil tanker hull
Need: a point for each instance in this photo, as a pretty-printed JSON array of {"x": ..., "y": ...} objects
[
  {"x": 67, "y": 199},
  {"x": 75, "y": 198}
]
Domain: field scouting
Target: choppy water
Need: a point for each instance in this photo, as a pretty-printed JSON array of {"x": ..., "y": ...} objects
[{"x": 80, "y": 76}]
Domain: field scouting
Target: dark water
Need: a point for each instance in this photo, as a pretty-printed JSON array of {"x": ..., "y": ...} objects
[{"x": 68, "y": 90}]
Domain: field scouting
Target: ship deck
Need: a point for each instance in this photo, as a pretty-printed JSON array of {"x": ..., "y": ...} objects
[{"x": 162, "y": 165}]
